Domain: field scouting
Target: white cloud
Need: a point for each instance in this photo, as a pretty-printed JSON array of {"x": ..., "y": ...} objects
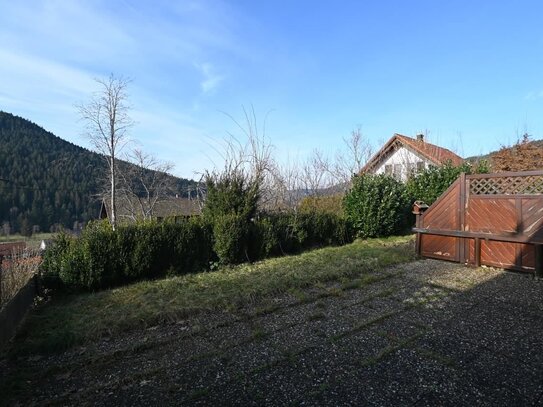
[
  {"x": 211, "y": 79},
  {"x": 534, "y": 95},
  {"x": 28, "y": 71},
  {"x": 51, "y": 51}
]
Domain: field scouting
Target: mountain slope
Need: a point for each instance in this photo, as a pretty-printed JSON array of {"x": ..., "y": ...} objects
[{"x": 47, "y": 181}]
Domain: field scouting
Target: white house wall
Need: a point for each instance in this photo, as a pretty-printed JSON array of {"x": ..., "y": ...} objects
[{"x": 402, "y": 156}]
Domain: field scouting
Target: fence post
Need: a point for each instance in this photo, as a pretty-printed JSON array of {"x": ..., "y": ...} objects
[
  {"x": 538, "y": 261},
  {"x": 461, "y": 242},
  {"x": 1, "y": 276},
  {"x": 477, "y": 252}
]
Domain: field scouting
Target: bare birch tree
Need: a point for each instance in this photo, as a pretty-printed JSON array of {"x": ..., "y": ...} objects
[{"x": 106, "y": 124}]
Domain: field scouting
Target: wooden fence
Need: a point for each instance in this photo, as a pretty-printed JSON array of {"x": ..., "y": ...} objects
[
  {"x": 491, "y": 219},
  {"x": 19, "y": 284}
]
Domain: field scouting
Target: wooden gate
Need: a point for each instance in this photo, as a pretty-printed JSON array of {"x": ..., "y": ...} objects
[{"x": 492, "y": 219}]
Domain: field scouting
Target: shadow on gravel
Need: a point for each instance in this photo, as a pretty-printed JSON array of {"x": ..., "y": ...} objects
[{"x": 426, "y": 333}]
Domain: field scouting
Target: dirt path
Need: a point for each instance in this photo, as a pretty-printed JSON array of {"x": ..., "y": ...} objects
[{"x": 428, "y": 333}]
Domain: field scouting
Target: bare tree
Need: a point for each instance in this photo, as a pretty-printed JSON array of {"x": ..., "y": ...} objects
[
  {"x": 283, "y": 187},
  {"x": 247, "y": 159},
  {"x": 144, "y": 184},
  {"x": 350, "y": 161},
  {"x": 107, "y": 123},
  {"x": 315, "y": 173}
]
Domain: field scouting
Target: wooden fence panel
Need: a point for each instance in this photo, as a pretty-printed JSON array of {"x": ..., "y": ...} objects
[
  {"x": 499, "y": 254},
  {"x": 491, "y": 215},
  {"x": 440, "y": 247},
  {"x": 444, "y": 213},
  {"x": 492, "y": 219}
]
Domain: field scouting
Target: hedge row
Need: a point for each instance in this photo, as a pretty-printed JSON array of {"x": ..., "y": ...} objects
[
  {"x": 103, "y": 258},
  {"x": 377, "y": 205}
]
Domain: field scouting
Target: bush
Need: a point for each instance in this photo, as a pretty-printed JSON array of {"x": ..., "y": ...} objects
[
  {"x": 429, "y": 184},
  {"x": 102, "y": 258},
  {"x": 376, "y": 205},
  {"x": 230, "y": 194},
  {"x": 53, "y": 257},
  {"x": 287, "y": 233},
  {"x": 331, "y": 204},
  {"x": 230, "y": 233}
]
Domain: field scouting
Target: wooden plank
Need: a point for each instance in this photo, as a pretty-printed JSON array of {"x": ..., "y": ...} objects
[
  {"x": 505, "y": 174},
  {"x": 461, "y": 210},
  {"x": 532, "y": 215},
  {"x": 500, "y": 254},
  {"x": 528, "y": 256},
  {"x": 539, "y": 261},
  {"x": 492, "y": 216},
  {"x": 449, "y": 190},
  {"x": 439, "y": 247},
  {"x": 485, "y": 236},
  {"x": 504, "y": 196},
  {"x": 441, "y": 211},
  {"x": 520, "y": 230},
  {"x": 477, "y": 252}
]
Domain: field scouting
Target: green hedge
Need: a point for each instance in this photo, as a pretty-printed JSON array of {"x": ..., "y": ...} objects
[
  {"x": 102, "y": 258},
  {"x": 430, "y": 183},
  {"x": 377, "y": 205},
  {"x": 287, "y": 233}
]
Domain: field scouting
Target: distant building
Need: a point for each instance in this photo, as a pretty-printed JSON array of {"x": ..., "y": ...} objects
[
  {"x": 130, "y": 210},
  {"x": 403, "y": 156}
]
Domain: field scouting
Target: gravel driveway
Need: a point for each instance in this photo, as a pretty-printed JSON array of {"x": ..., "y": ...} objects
[{"x": 428, "y": 333}]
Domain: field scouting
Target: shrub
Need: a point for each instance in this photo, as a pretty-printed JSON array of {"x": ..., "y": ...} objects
[
  {"x": 376, "y": 205},
  {"x": 230, "y": 233},
  {"x": 102, "y": 258},
  {"x": 230, "y": 207},
  {"x": 230, "y": 194},
  {"x": 429, "y": 184},
  {"x": 331, "y": 204},
  {"x": 53, "y": 257},
  {"x": 286, "y": 233},
  {"x": 98, "y": 256}
]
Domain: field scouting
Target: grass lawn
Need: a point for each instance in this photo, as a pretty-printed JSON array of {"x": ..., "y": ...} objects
[
  {"x": 75, "y": 319},
  {"x": 32, "y": 241}
]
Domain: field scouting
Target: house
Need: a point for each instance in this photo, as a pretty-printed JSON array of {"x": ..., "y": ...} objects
[
  {"x": 132, "y": 209},
  {"x": 403, "y": 156}
]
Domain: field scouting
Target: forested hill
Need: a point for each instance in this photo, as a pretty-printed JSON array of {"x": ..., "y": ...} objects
[{"x": 46, "y": 181}]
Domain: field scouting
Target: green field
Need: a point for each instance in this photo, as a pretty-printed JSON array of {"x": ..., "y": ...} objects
[{"x": 32, "y": 241}]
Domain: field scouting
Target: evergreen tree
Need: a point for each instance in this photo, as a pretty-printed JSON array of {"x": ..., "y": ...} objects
[{"x": 46, "y": 181}]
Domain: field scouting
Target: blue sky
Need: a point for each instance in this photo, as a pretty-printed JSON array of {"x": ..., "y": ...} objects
[{"x": 469, "y": 73}]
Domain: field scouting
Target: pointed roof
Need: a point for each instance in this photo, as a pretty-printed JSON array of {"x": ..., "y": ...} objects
[{"x": 435, "y": 154}]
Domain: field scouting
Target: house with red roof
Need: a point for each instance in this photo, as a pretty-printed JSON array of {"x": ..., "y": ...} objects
[{"x": 402, "y": 157}]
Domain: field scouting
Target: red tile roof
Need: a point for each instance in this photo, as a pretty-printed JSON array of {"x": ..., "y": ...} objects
[{"x": 435, "y": 154}]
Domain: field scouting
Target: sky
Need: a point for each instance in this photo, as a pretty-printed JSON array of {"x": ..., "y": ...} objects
[{"x": 469, "y": 74}]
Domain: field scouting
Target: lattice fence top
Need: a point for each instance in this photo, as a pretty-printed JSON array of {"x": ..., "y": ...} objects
[{"x": 512, "y": 185}]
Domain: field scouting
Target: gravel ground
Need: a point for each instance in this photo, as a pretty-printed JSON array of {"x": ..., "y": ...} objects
[{"x": 432, "y": 333}]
